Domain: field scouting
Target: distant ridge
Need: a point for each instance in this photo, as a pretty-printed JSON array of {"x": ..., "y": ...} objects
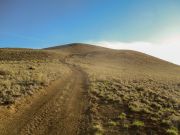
[
  {"x": 78, "y": 48},
  {"x": 93, "y": 49}
]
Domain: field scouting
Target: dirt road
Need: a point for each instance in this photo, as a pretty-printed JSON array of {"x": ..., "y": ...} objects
[{"x": 61, "y": 111}]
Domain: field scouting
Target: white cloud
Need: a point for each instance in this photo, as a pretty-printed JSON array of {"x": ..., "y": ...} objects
[{"x": 167, "y": 50}]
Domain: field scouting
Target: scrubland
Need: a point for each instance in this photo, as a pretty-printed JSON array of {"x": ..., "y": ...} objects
[{"x": 23, "y": 72}]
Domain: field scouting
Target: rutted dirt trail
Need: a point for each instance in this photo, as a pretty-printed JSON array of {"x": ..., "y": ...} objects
[{"x": 59, "y": 112}]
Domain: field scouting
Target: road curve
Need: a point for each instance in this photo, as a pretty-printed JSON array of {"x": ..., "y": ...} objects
[{"x": 60, "y": 112}]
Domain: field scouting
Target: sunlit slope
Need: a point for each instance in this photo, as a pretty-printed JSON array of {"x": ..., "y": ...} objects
[
  {"x": 123, "y": 62},
  {"x": 130, "y": 92}
]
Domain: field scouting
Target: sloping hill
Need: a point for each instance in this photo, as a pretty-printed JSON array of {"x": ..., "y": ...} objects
[
  {"x": 110, "y": 54},
  {"x": 130, "y": 92},
  {"x": 107, "y": 91},
  {"x": 127, "y": 61}
]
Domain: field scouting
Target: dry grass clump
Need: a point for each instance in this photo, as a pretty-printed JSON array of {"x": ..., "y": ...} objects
[
  {"x": 138, "y": 123},
  {"x": 97, "y": 129}
]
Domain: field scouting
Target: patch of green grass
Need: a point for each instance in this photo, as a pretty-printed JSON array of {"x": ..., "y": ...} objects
[
  {"x": 138, "y": 123},
  {"x": 166, "y": 122},
  {"x": 97, "y": 129},
  {"x": 134, "y": 108},
  {"x": 125, "y": 125},
  {"x": 122, "y": 116},
  {"x": 172, "y": 131}
]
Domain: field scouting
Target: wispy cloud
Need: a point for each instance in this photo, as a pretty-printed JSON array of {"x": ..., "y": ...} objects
[{"x": 167, "y": 50}]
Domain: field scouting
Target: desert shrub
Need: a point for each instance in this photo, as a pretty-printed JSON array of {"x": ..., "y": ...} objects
[
  {"x": 7, "y": 100},
  {"x": 6, "y": 84},
  {"x": 138, "y": 123},
  {"x": 146, "y": 110},
  {"x": 97, "y": 129},
  {"x": 175, "y": 119},
  {"x": 139, "y": 88},
  {"x": 156, "y": 105},
  {"x": 113, "y": 123},
  {"x": 135, "y": 107},
  {"x": 166, "y": 123},
  {"x": 125, "y": 125},
  {"x": 122, "y": 116},
  {"x": 172, "y": 131},
  {"x": 154, "y": 118}
]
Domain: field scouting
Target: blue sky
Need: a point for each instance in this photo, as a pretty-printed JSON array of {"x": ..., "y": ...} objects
[{"x": 43, "y": 23}]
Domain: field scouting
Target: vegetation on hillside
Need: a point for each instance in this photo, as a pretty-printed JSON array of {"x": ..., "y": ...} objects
[
  {"x": 142, "y": 106},
  {"x": 22, "y": 72}
]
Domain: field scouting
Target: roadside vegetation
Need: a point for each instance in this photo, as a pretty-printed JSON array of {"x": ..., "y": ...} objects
[{"x": 23, "y": 72}]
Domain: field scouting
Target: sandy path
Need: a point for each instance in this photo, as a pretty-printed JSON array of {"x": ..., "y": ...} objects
[{"x": 59, "y": 112}]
